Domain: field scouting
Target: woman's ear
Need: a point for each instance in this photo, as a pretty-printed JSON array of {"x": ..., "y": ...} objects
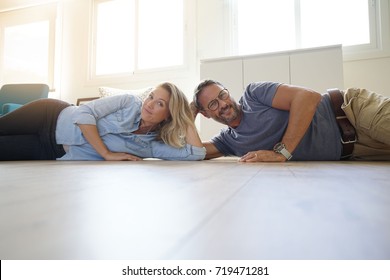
[{"x": 165, "y": 121}]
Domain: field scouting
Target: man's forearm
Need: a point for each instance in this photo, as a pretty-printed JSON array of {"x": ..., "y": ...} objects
[{"x": 302, "y": 110}]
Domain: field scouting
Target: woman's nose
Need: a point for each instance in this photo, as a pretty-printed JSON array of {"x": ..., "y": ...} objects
[{"x": 150, "y": 104}]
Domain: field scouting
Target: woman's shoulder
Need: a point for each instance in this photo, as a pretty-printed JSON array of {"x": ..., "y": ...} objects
[
  {"x": 118, "y": 101},
  {"x": 124, "y": 97}
]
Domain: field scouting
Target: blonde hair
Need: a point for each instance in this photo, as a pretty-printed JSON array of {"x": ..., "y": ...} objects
[{"x": 173, "y": 131}]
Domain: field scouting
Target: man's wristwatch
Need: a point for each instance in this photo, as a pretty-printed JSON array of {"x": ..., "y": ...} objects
[{"x": 280, "y": 148}]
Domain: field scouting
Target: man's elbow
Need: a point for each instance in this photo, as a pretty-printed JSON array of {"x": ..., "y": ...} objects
[{"x": 315, "y": 97}]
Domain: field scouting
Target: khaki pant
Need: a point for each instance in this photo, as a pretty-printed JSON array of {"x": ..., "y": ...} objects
[{"x": 369, "y": 113}]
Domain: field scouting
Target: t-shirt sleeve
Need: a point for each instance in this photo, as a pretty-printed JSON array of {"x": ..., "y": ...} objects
[
  {"x": 221, "y": 144},
  {"x": 261, "y": 92}
]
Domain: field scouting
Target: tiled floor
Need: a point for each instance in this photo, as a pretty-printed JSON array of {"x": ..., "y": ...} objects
[{"x": 217, "y": 209}]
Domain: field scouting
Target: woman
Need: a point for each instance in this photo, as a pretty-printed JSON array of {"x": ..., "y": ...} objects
[{"x": 119, "y": 127}]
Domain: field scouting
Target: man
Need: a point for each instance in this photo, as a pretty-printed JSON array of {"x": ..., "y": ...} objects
[{"x": 276, "y": 122}]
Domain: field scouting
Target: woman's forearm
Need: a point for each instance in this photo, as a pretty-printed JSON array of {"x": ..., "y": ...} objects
[
  {"x": 192, "y": 137},
  {"x": 91, "y": 134}
]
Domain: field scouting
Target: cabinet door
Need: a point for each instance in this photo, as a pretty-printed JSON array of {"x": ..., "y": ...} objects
[
  {"x": 273, "y": 68},
  {"x": 319, "y": 69},
  {"x": 229, "y": 73}
]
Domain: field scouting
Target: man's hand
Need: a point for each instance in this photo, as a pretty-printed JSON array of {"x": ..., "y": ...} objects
[{"x": 262, "y": 156}]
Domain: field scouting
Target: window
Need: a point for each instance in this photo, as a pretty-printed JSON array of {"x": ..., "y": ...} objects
[
  {"x": 130, "y": 36},
  {"x": 262, "y": 26},
  {"x": 27, "y": 45},
  {"x": 114, "y": 37}
]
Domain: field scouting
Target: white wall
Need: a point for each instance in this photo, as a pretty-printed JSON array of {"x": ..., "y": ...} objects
[
  {"x": 74, "y": 50},
  {"x": 373, "y": 74}
]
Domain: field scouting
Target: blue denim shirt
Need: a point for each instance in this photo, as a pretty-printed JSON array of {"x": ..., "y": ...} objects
[{"x": 116, "y": 118}]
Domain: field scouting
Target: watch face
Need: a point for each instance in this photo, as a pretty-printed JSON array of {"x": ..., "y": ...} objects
[{"x": 278, "y": 147}]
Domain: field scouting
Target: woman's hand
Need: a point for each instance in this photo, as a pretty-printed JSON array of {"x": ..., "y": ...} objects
[
  {"x": 120, "y": 156},
  {"x": 262, "y": 156}
]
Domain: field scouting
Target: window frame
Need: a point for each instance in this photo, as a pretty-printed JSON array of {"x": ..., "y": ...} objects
[
  {"x": 379, "y": 34},
  {"x": 140, "y": 75},
  {"x": 28, "y": 15},
  {"x": 379, "y": 29}
]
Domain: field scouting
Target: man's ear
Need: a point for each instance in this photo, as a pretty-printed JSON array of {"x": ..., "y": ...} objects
[{"x": 204, "y": 113}]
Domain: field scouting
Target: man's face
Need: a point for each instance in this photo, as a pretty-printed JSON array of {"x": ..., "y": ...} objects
[{"x": 227, "y": 112}]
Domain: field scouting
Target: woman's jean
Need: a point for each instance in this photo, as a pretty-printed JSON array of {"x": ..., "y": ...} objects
[{"x": 28, "y": 133}]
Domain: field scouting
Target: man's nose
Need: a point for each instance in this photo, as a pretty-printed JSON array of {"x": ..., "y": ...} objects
[{"x": 222, "y": 103}]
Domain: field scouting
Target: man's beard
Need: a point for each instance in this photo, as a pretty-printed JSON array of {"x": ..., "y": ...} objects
[{"x": 232, "y": 117}]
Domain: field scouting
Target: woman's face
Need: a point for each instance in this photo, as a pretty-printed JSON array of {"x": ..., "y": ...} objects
[{"x": 155, "y": 108}]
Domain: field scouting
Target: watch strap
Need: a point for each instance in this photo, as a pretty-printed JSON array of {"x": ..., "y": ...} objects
[
  {"x": 286, "y": 153},
  {"x": 280, "y": 148}
]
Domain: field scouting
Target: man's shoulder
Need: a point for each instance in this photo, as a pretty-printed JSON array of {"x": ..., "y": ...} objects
[
  {"x": 262, "y": 86},
  {"x": 260, "y": 92}
]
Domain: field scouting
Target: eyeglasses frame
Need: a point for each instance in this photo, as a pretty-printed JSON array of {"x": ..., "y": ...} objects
[{"x": 218, "y": 98}]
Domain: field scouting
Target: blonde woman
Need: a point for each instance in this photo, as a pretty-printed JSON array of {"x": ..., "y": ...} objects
[{"x": 121, "y": 127}]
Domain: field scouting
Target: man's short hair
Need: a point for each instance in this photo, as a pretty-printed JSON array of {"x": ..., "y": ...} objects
[{"x": 198, "y": 90}]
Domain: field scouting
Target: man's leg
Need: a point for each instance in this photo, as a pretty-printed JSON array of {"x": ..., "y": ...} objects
[{"x": 369, "y": 113}]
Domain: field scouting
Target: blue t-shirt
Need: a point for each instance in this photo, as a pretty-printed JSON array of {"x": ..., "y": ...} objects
[{"x": 262, "y": 126}]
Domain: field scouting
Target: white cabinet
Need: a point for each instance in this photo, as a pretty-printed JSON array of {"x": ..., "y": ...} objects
[
  {"x": 227, "y": 71},
  {"x": 319, "y": 69},
  {"x": 316, "y": 68},
  {"x": 266, "y": 68}
]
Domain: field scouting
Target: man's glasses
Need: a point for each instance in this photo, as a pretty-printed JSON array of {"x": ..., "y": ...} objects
[{"x": 214, "y": 104}]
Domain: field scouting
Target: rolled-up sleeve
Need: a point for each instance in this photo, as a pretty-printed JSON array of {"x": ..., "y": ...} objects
[{"x": 188, "y": 152}]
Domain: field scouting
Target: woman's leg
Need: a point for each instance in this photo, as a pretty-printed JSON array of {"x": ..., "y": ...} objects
[
  {"x": 20, "y": 147},
  {"x": 29, "y": 132}
]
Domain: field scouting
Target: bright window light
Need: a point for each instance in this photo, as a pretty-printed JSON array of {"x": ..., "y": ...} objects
[
  {"x": 26, "y": 50},
  {"x": 160, "y": 34},
  {"x": 136, "y": 35},
  {"x": 115, "y": 37},
  {"x": 334, "y": 22},
  {"x": 263, "y": 26}
]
